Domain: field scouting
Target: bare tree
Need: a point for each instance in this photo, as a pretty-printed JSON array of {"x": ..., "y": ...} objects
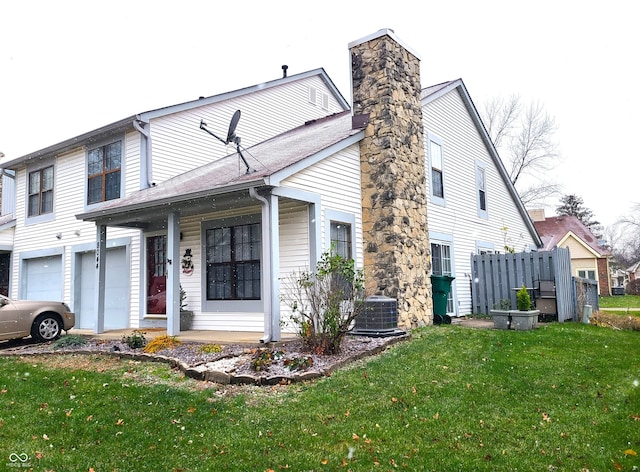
[
  {"x": 626, "y": 246},
  {"x": 523, "y": 136}
]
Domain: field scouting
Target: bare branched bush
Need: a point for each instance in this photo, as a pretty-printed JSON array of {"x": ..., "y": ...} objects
[{"x": 325, "y": 303}]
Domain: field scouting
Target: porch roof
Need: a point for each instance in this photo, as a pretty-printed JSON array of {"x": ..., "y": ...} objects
[{"x": 270, "y": 161}]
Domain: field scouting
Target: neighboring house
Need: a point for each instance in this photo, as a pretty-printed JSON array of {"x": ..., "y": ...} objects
[
  {"x": 117, "y": 220},
  {"x": 619, "y": 278},
  {"x": 588, "y": 259},
  {"x": 634, "y": 271}
]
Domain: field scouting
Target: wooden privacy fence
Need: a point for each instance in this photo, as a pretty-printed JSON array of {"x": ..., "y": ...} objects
[
  {"x": 496, "y": 277},
  {"x": 585, "y": 292}
]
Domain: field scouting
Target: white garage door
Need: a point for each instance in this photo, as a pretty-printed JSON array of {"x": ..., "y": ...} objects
[
  {"x": 43, "y": 278},
  {"x": 117, "y": 292}
]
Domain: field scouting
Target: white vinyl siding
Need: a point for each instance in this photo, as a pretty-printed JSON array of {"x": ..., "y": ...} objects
[
  {"x": 65, "y": 233},
  {"x": 481, "y": 190},
  {"x": 464, "y": 150},
  {"x": 337, "y": 180},
  {"x": 177, "y": 138}
]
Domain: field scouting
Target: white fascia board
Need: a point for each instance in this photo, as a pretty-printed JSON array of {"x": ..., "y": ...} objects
[{"x": 276, "y": 178}]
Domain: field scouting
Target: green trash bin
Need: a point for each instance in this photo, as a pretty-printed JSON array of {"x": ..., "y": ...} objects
[{"x": 441, "y": 286}]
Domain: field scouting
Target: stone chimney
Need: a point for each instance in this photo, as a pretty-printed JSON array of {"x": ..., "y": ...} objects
[{"x": 385, "y": 78}]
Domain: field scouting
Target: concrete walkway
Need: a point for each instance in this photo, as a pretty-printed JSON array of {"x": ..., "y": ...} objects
[
  {"x": 239, "y": 337},
  {"x": 210, "y": 337}
]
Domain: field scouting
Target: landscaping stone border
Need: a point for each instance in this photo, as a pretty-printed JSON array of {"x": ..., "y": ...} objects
[{"x": 201, "y": 372}]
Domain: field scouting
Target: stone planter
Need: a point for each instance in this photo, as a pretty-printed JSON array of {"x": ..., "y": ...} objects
[
  {"x": 524, "y": 320},
  {"x": 501, "y": 319},
  {"x": 515, "y": 319},
  {"x": 186, "y": 319}
]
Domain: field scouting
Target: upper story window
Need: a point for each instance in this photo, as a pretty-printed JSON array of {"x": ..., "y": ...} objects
[
  {"x": 436, "y": 161},
  {"x": 481, "y": 188},
  {"x": 341, "y": 239},
  {"x": 40, "y": 192},
  {"x": 104, "y": 172}
]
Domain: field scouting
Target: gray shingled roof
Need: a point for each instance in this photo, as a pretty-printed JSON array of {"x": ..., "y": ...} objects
[{"x": 270, "y": 161}]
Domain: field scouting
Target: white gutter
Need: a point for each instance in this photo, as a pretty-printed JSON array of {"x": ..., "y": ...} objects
[
  {"x": 266, "y": 264},
  {"x": 145, "y": 164}
]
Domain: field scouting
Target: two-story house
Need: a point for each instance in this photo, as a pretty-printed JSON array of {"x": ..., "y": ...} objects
[
  {"x": 589, "y": 260},
  {"x": 117, "y": 220}
]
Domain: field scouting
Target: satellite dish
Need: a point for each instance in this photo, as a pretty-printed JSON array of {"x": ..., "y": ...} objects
[{"x": 231, "y": 135}]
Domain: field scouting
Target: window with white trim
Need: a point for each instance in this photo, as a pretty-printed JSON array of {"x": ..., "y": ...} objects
[
  {"x": 40, "y": 192},
  {"x": 341, "y": 239},
  {"x": 587, "y": 274},
  {"x": 233, "y": 262},
  {"x": 436, "y": 164},
  {"x": 104, "y": 168},
  {"x": 481, "y": 189}
]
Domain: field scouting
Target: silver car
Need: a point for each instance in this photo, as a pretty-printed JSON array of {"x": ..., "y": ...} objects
[{"x": 44, "y": 321}]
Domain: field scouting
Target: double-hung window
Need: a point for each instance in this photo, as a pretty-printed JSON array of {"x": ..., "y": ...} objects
[
  {"x": 481, "y": 188},
  {"x": 233, "y": 262},
  {"x": 341, "y": 239},
  {"x": 40, "y": 192},
  {"x": 104, "y": 169},
  {"x": 587, "y": 274},
  {"x": 436, "y": 162}
]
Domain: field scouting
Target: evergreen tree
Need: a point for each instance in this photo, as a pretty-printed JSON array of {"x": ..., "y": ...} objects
[{"x": 573, "y": 205}]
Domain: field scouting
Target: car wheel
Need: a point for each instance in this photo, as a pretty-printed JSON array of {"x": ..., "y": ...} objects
[{"x": 46, "y": 327}]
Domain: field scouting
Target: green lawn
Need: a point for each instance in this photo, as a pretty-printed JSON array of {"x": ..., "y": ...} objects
[
  {"x": 623, "y": 301},
  {"x": 562, "y": 397}
]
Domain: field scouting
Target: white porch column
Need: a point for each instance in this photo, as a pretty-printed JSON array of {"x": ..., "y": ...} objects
[
  {"x": 101, "y": 262},
  {"x": 173, "y": 274},
  {"x": 274, "y": 272}
]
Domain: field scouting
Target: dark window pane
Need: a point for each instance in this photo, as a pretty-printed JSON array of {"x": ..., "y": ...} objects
[
  {"x": 94, "y": 191},
  {"x": 112, "y": 186},
  {"x": 34, "y": 203},
  {"x": 95, "y": 161},
  {"x": 47, "y": 202},
  {"x": 47, "y": 179},
  {"x": 436, "y": 180},
  {"x": 233, "y": 262},
  {"x": 113, "y": 156},
  {"x": 483, "y": 200}
]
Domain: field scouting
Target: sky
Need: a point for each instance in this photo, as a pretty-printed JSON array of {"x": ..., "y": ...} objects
[{"x": 68, "y": 67}]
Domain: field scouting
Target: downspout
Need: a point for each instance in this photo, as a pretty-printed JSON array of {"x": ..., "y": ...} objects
[
  {"x": 266, "y": 281},
  {"x": 145, "y": 163}
]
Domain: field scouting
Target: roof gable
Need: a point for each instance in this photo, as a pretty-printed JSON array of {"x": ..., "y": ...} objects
[
  {"x": 554, "y": 231},
  {"x": 429, "y": 94},
  {"x": 130, "y": 122},
  {"x": 270, "y": 161}
]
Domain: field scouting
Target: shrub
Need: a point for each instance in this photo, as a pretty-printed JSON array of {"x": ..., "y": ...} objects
[
  {"x": 325, "y": 303},
  {"x": 299, "y": 363},
  {"x": 633, "y": 287},
  {"x": 523, "y": 300},
  {"x": 263, "y": 358},
  {"x": 135, "y": 340},
  {"x": 70, "y": 340},
  {"x": 161, "y": 343},
  {"x": 210, "y": 348}
]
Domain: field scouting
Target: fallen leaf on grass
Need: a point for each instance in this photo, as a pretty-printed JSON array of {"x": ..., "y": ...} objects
[{"x": 630, "y": 452}]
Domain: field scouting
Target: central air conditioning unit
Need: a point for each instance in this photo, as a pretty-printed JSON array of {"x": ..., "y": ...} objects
[{"x": 379, "y": 318}]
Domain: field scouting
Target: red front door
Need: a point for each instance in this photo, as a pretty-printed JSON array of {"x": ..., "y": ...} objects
[{"x": 157, "y": 275}]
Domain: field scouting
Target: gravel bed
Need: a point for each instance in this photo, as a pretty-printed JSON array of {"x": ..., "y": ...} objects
[{"x": 233, "y": 364}]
